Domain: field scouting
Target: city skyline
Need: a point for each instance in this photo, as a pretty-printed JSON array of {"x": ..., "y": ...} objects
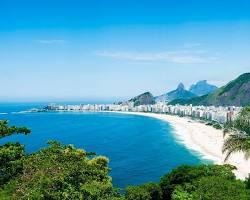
[{"x": 112, "y": 50}]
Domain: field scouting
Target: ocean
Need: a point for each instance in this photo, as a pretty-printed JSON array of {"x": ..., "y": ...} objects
[{"x": 141, "y": 149}]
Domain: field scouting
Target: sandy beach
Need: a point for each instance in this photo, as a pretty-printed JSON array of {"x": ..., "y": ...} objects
[{"x": 203, "y": 139}]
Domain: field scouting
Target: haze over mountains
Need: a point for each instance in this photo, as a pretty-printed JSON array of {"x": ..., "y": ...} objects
[
  {"x": 179, "y": 93},
  {"x": 202, "y": 88},
  {"x": 198, "y": 89},
  {"x": 235, "y": 93}
]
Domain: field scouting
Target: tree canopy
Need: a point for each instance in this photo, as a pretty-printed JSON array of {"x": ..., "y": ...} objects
[{"x": 6, "y": 130}]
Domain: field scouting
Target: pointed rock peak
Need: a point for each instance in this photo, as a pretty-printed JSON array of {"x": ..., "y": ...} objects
[{"x": 181, "y": 86}]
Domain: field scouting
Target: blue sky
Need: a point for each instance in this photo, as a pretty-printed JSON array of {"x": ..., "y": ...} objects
[{"x": 115, "y": 49}]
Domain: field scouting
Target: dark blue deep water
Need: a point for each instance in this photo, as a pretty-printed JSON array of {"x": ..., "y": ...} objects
[{"x": 140, "y": 149}]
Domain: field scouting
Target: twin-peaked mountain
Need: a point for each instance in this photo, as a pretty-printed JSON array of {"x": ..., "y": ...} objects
[
  {"x": 198, "y": 89},
  {"x": 179, "y": 93}
]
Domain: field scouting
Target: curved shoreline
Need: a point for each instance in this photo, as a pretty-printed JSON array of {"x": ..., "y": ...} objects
[{"x": 205, "y": 140}]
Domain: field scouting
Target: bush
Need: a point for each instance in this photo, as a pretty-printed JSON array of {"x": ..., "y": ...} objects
[
  {"x": 217, "y": 126},
  {"x": 149, "y": 191},
  {"x": 64, "y": 172},
  {"x": 218, "y": 188},
  {"x": 188, "y": 174},
  {"x": 11, "y": 161}
]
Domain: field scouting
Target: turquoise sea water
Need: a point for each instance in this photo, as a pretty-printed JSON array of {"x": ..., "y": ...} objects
[{"x": 140, "y": 149}]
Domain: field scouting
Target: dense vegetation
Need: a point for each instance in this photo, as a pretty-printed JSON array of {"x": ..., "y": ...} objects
[{"x": 61, "y": 172}]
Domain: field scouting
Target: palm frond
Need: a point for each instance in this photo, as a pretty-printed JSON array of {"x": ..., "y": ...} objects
[{"x": 239, "y": 142}]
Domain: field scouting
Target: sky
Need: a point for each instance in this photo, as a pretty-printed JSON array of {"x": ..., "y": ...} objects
[{"x": 115, "y": 49}]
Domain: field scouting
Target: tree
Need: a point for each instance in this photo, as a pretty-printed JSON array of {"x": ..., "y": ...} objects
[
  {"x": 55, "y": 172},
  {"x": 149, "y": 191},
  {"x": 188, "y": 174},
  {"x": 248, "y": 182},
  {"x": 238, "y": 132},
  {"x": 11, "y": 161},
  {"x": 218, "y": 188},
  {"x": 180, "y": 194},
  {"x": 6, "y": 130},
  {"x": 11, "y": 154},
  {"x": 64, "y": 172},
  {"x": 137, "y": 193}
]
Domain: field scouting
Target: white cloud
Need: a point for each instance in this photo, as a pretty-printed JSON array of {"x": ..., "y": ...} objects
[
  {"x": 51, "y": 41},
  {"x": 182, "y": 57}
]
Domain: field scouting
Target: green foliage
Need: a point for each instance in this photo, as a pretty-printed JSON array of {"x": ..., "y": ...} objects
[
  {"x": 214, "y": 124},
  {"x": 180, "y": 194},
  {"x": 11, "y": 154},
  {"x": 239, "y": 134},
  {"x": 217, "y": 126},
  {"x": 242, "y": 122},
  {"x": 187, "y": 174},
  {"x": 194, "y": 101},
  {"x": 7, "y": 190},
  {"x": 218, "y": 188},
  {"x": 6, "y": 130},
  {"x": 137, "y": 193},
  {"x": 11, "y": 161},
  {"x": 212, "y": 187},
  {"x": 64, "y": 172},
  {"x": 248, "y": 182},
  {"x": 149, "y": 191},
  {"x": 239, "y": 81}
]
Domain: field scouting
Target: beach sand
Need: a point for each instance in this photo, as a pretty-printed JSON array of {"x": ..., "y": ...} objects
[{"x": 203, "y": 139}]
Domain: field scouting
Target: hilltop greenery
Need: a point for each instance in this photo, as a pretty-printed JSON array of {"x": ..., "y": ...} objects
[{"x": 62, "y": 172}]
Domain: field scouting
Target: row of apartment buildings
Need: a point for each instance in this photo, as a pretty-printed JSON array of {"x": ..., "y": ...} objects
[{"x": 219, "y": 114}]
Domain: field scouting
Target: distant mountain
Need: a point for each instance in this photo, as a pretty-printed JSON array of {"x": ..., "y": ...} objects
[
  {"x": 235, "y": 93},
  {"x": 143, "y": 99},
  {"x": 179, "y": 93},
  {"x": 202, "y": 88}
]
